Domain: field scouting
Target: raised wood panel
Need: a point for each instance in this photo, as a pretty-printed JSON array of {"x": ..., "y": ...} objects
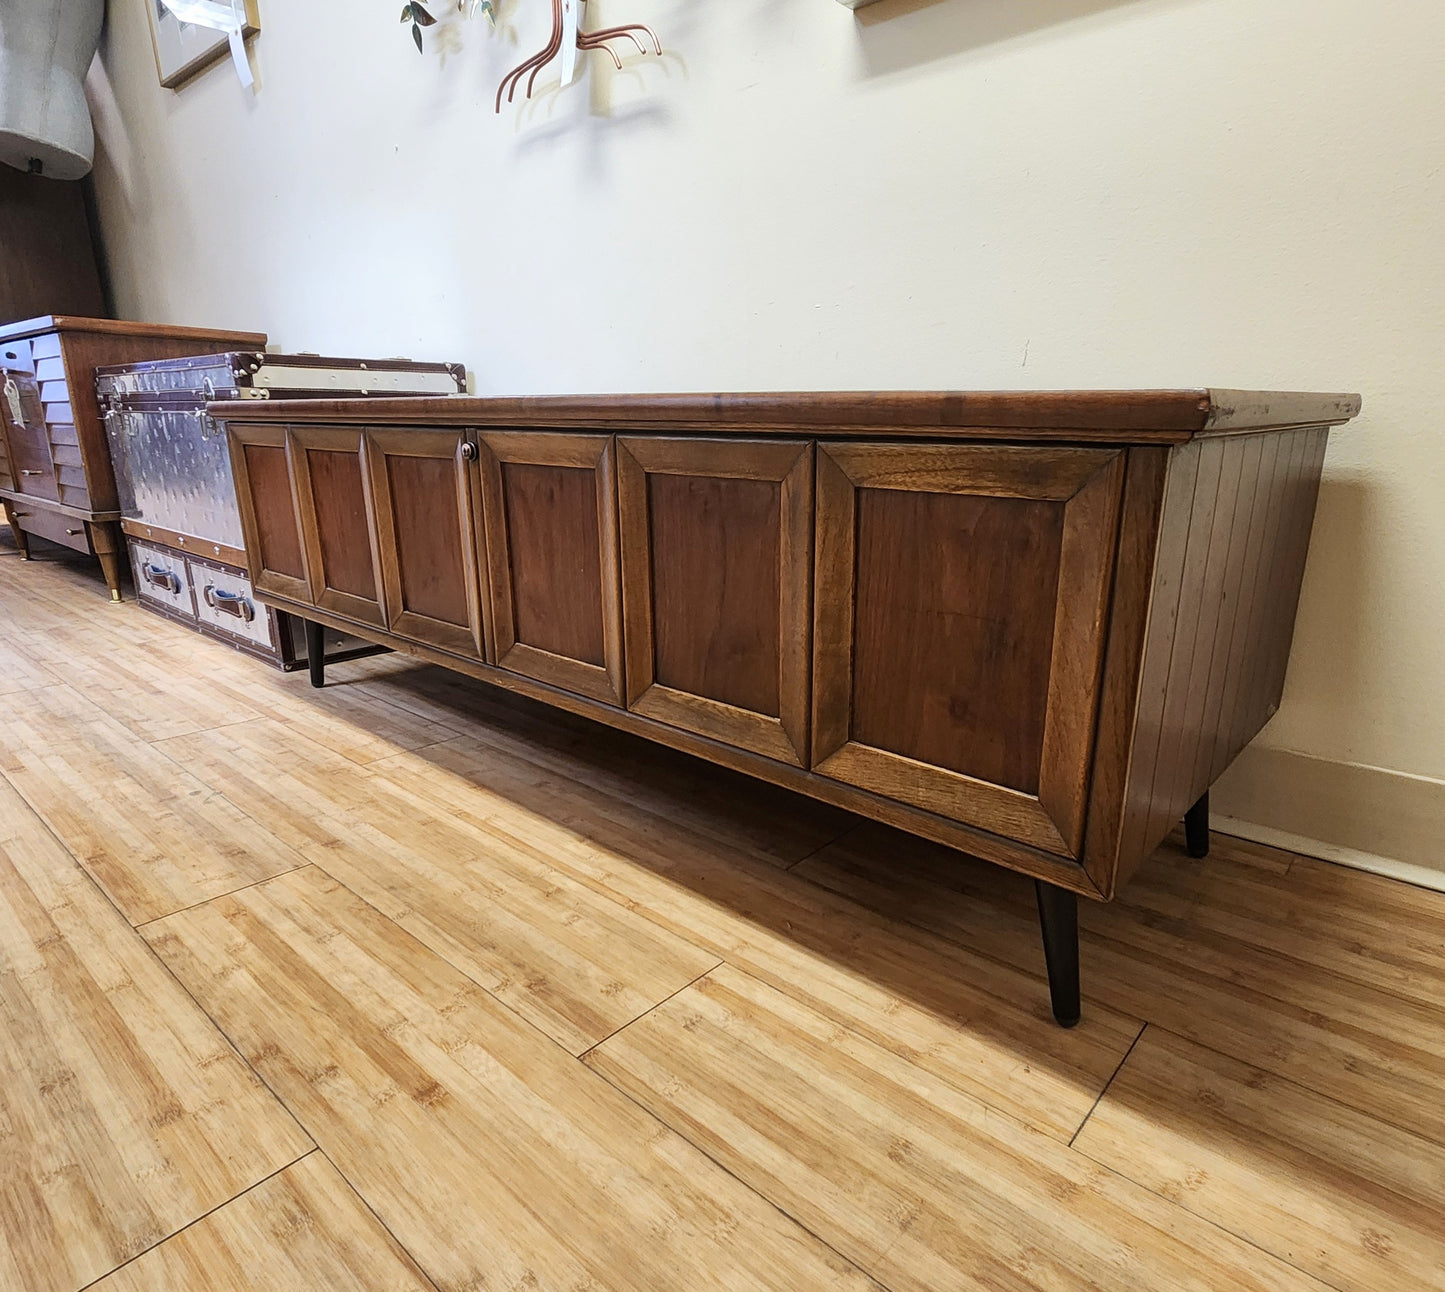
[
  {"x": 551, "y": 544},
  {"x": 426, "y": 532},
  {"x": 266, "y": 497},
  {"x": 338, "y": 523},
  {"x": 931, "y": 569},
  {"x": 959, "y": 607},
  {"x": 716, "y": 543}
]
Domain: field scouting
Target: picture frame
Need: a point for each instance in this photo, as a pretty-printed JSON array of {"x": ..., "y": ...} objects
[{"x": 184, "y": 50}]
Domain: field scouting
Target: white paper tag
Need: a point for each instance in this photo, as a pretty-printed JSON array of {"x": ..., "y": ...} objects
[
  {"x": 238, "y": 57},
  {"x": 12, "y": 397},
  {"x": 571, "y": 22}
]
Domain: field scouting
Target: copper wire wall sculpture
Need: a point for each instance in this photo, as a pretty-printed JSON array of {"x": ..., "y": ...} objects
[{"x": 585, "y": 40}]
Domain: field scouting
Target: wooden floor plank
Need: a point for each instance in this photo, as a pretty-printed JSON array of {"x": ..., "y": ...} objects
[
  {"x": 493, "y": 1156},
  {"x": 151, "y": 834},
  {"x": 920, "y": 1185},
  {"x": 124, "y": 1114},
  {"x": 302, "y": 1229},
  {"x": 161, "y": 679},
  {"x": 1350, "y": 1007},
  {"x": 573, "y": 962},
  {"x": 978, "y": 1023},
  {"x": 1334, "y": 1191},
  {"x": 19, "y": 671}
]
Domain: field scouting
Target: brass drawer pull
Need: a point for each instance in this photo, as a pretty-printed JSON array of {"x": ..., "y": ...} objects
[
  {"x": 26, "y": 472},
  {"x": 74, "y": 532}
]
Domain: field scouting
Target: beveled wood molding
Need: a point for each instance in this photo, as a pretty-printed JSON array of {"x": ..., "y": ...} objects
[
  {"x": 123, "y": 327},
  {"x": 595, "y": 453},
  {"x": 787, "y": 463},
  {"x": 1088, "y": 482},
  {"x": 1118, "y": 417}
]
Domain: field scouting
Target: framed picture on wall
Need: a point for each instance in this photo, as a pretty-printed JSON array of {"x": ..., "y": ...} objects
[{"x": 184, "y": 48}]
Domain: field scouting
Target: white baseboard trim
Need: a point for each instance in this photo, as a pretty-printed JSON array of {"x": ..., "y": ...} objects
[
  {"x": 1386, "y": 822},
  {"x": 1420, "y": 876}
]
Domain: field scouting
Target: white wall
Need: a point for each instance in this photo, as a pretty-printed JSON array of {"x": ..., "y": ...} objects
[{"x": 931, "y": 193}]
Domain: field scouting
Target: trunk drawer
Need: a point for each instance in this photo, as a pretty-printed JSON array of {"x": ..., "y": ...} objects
[{"x": 161, "y": 577}]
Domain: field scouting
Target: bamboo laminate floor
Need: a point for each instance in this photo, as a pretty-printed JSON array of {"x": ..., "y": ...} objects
[{"x": 407, "y": 984}]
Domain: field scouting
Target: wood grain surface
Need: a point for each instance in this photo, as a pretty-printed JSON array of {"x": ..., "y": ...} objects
[
  {"x": 303, "y": 1228},
  {"x": 486, "y": 1150},
  {"x": 124, "y": 1113},
  {"x": 1121, "y": 417}
]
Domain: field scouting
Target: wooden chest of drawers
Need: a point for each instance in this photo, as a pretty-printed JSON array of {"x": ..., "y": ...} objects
[
  {"x": 1034, "y": 627},
  {"x": 55, "y": 473}
]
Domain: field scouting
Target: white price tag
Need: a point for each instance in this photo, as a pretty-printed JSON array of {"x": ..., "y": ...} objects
[
  {"x": 12, "y": 397},
  {"x": 571, "y": 23}
]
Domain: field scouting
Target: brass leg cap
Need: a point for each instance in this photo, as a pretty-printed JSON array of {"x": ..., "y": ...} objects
[{"x": 115, "y": 594}]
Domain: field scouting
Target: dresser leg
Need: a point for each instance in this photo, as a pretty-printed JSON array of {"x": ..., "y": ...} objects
[
  {"x": 1059, "y": 921},
  {"x": 1196, "y": 827},
  {"x": 316, "y": 652},
  {"x": 105, "y": 542},
  {"x": 22, "y": 539}
]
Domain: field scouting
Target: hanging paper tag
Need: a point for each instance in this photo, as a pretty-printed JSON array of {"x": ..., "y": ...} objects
[
  {"x": 571, "y": 23},
  {"x": 215, "y": 15},
  {"x": 12, "y": 397},
  {"x": 238, "y": 57}
]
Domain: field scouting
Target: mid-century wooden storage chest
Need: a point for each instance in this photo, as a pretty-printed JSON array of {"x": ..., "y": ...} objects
[{"x": 1035, "y": 627}]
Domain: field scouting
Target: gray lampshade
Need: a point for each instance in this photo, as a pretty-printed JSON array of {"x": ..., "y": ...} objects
[{"x": 45, "y": 49}]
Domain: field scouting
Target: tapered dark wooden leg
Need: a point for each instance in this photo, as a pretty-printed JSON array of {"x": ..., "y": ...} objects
[
  {"x": 22, "y": 539},
  {"x": 1196, "y": 827},
  {"x": 316, "y": 652},
  {"x": 1059, "y": 921},
  {"x": 107, "y": 544}
]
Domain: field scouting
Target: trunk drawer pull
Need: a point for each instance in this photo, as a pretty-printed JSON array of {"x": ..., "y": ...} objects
[
  {"x": 161, "y": 578},
  {"x": 230, "y": 603}
]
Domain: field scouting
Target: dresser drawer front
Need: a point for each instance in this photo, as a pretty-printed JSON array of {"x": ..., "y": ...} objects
[
  {"x": 29, "y": 442},
  {"x": 226, "y": 603},
  {"x": 161, "y": 577},
  {"x": 36, "y": 518},
  {"x": 45, "y": 347}
]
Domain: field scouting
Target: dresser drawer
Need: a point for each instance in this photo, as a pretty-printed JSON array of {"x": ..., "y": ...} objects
[
  {"x": 45, "y": 347},
  {"x": 162, "y": 579},
  {"x": 26, "y": 436},
  {"x": 36, "y": 518}
]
